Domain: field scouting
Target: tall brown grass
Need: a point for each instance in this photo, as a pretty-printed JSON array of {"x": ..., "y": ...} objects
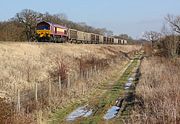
[
  {"x": 47, "y": 76},
  {"x": 159, "y": 87}
]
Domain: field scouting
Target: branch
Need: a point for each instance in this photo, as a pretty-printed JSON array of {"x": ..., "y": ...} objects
[{"x": 174, "y": 23}]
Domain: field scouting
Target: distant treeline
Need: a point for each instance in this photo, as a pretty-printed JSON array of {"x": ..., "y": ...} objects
[
  {"x": 167, "y": 42},
  {"x": 22, "y": 26}
]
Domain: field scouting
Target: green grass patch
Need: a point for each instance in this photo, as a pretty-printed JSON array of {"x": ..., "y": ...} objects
[
  {"x": 109, "y": 97},
  {"x": 60, "y": 114}
]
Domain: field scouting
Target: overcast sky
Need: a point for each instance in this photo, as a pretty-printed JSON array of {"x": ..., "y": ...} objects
[{"x": 121, "y": 16}]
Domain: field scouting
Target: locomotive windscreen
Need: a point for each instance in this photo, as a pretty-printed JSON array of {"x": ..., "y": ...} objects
[{"x": 42, "y": 27}]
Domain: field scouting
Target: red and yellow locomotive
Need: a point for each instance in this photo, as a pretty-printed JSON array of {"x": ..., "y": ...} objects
[{"x": 47, "y": 31}]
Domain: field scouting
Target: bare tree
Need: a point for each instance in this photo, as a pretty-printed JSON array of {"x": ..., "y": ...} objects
[
  {"x": 61, "y": 16},
  {"x": 174, "y": 22},
  {"x": 123, "y": 36},
  {"x": 171, "y": 41},
  {"x": 83, "y": 24},
  {"x": 109, "y": 33},
  {"x": 152, "y": 36},
  {"x": 102, "y": 31},
  {"x": 28, "y": 19}
]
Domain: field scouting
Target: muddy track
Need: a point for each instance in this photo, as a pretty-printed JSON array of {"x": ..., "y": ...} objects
[{"x": 103, "y": 108}]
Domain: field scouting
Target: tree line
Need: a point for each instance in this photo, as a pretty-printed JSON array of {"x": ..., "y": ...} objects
[
  {"x": 22, "y": 26},
  {"x": 167, "y": 42}
]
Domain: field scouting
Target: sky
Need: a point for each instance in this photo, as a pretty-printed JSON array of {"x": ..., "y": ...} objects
[{"x": 132, "y": 17}]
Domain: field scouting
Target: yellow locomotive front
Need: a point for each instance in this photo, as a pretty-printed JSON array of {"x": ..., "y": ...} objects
[{"x": 43, "y": 31}]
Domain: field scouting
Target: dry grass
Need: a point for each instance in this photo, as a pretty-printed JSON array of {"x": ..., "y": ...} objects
[
  {"x": 33, "y": 70},
  {"x": 23, "y": 64},
  {"x": 160, "y": 90}
]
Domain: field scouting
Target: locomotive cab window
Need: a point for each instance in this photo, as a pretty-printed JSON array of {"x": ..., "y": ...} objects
[{"x": 43, "y": 27}]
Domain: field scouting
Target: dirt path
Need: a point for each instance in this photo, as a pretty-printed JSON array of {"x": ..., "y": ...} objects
[{"x": 94, "y": 110}]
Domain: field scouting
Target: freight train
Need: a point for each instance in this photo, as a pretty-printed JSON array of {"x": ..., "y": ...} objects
[{"x": 49, "y": 32}]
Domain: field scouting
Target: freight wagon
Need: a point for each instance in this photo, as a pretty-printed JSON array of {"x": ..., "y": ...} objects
[
  {"x": 87, "y": 37},
  {"x": 97, "y": 39},
  {"x": 116, "y": 41},
  {"x": 93, "y": 38},
  {"x": 101, "y": 39},
  {"x": 76, "y": 36},
  {"x": 72, "y": 35},
  {"x": 125, "y": 41},
  {"x": 105, "y": 40},
  {"x": 80, "y": 36}
]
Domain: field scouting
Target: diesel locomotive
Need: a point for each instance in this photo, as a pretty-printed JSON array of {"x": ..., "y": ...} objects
[{"x": 49, "y": 32}]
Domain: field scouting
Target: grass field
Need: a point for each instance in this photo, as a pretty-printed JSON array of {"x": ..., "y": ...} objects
[
  {"x": 46, "y": 76},
  {"x": 22, "y": 63}
]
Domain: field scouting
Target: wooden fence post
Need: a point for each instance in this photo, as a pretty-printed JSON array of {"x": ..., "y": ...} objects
[
  {"x": 87, "y": 74},
  {"x": 98, "y": 72},
  {"x": 75, "y": 76},
  {"x": 95, "y": 69},
  {"x": 36, "y": 92},
  {"x": 82, "y": 89},
  {"x": 60, "y": 85},
  {"x": 15, "y": 89},
  {"x": 69, "y": 82},
  {"x": 91, "y": 71},
  {"x": 50, "y": 93},
  {"x": 18, "y": 101}
]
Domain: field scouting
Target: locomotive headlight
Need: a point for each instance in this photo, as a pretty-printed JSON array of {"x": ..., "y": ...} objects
[{"x": 43, "y": 33}]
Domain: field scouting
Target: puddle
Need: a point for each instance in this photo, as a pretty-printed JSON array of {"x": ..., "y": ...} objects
[
  {"x": 79, "y": 112},
  {"x": 130, "y": 79},
  {"x": 111, "y": 113},
  {"x": 88, "y": 113},
  {"x": 128, "y": 84}
]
